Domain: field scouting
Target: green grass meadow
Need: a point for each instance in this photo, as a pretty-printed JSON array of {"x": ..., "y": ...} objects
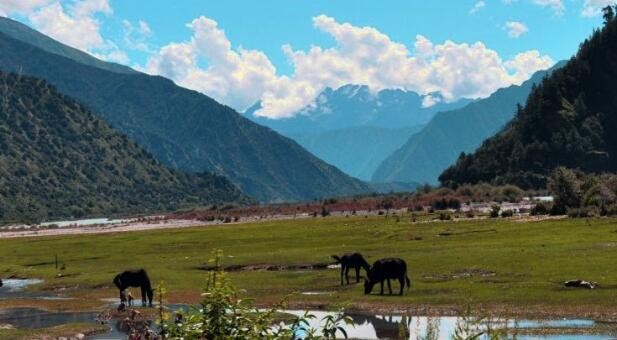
[{"x": 452, "y": 263}]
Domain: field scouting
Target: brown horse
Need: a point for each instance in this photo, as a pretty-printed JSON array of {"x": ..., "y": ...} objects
[
  {"x": 351, "y": 260},
  {"x": 134, "y": 278}
]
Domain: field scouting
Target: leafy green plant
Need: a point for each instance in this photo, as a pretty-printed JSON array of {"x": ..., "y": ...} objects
[{"x": 224, "y": 314}]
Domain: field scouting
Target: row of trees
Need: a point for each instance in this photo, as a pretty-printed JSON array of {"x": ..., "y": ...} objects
[
  {"x": 579, "y": 195},
  {"x": 568, "y": 120}
]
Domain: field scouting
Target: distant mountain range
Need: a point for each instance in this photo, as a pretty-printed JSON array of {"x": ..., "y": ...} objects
[
  {"x": 354, "y": 106},
  {"x": 57, "y": 160},
  {"x": 569, "y": 120},
  {"x": 356, "y": 129},
  {"x": 427, "y": 153},
  {"x": 356, "y": 150},
  {"x": 181, "y": 128}
]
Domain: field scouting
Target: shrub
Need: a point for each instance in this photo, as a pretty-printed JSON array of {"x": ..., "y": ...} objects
[
  {"x": 507, "y": 213},
  {"x": 580, "y": 212},
  {"x": 444, "y": 217},
  {"x": 540, "y": 209},
  {"x": 495, "y": 211}
]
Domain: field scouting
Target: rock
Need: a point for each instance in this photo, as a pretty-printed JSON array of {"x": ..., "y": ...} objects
[
  {"x": 581, "y": 284},
  {"x": 6, "y": 326},
  {"x": 80, "y": 336}
]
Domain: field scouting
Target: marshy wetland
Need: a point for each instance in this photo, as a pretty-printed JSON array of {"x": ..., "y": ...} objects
[{"x": 505, "y": 269}]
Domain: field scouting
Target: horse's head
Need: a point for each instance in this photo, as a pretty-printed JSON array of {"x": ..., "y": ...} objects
[
  {"x": 118, "y": 282},
  {"x": 368, "y": 286}
]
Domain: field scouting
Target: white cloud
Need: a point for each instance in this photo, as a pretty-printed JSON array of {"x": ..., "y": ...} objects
[
  {"x": 361, "y": 55},
  {"x": 525, "y": 64},
  {"x": 515, "y": 29},
  {"x": 136, "y": 35},
  {"x": 8, "y": 7},
  {"x": 72, "y": 22},
  {"x": 430, "y": 100},
  {"x": 556, "y": 5},
  {"x": 592, "y": 8},
  {"x": 477, "y": 7},
  {"x": 78, "y": 29},
  {"x": 235, "y": 77}
]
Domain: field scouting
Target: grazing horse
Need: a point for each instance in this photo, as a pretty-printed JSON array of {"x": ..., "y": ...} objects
[
  {"x": 351, "y": 260},
  {"x": 134, "y": 278},
  {"x": 386, "y": 269}
]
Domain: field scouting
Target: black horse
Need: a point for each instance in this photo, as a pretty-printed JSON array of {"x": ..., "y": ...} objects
[
  {"x": 134, "y": 278},
  {"x": 386, "y": 269},
  {"x": 351, "y": 260}
]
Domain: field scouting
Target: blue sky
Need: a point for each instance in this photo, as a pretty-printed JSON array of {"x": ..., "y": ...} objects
[
  {"x": 267, "y": 25},
  {"x": 284, "y": 52}
]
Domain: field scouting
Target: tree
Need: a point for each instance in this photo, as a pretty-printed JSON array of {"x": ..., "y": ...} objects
[
  {"x": 565, "y": 188},
  {"x": 608, "y": 13}
]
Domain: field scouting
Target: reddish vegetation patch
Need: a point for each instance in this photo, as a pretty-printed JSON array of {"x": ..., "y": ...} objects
[{"x": 383, "y": 203}]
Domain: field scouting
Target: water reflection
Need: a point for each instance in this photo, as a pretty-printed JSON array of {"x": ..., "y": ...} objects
[
  {"x": 368, "y": 326},
  {"x": 365, "y": 326},
  {"x": 38, "y": 318}
]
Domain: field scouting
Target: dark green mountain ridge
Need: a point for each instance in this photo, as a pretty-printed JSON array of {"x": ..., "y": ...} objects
[
  {"x": 427, "y": 153},
  {"x": 183, "y": 128},
  {"x": 59, "y": 161},
  {"x": 569, "y": 120}
]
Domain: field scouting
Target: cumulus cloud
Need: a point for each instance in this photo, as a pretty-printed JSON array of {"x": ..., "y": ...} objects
[
  {"x": 8, "y": 7},
  {"x": 73, "y": 22},
  {"x": 236, "y": 77},
  {"x": 556, "y": 5},
  {"x": 592, "y": 8},
  {"x": 362, "y": 55},
  {"x": 515, "y": 29},
  {"x": 477, "y": 7}
]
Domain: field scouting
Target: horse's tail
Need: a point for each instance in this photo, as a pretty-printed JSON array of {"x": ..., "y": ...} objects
[
  {"x": 337, "y": 258},
  {"x": 408, "y": 281}
]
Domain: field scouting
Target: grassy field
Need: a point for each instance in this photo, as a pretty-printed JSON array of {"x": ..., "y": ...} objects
[{"x": 505, "y": 264}]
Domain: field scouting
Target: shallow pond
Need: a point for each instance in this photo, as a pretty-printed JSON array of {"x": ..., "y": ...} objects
[
  {"x": 365, "y": 326},
  {"x": 16, "y": 289},
  {"x": 368, "y": 326},
  {"x": 37, "y": 318}
]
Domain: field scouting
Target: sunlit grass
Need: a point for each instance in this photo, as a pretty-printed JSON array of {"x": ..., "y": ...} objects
[{"x": 489, "y": 262}]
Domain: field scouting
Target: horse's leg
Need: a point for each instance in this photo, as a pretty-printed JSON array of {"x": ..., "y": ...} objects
[
  {"x": 357, "y": 274},
  {"x": 401, "y": 281},
  {"x": 150, "y": 296},
  {"x": 347, "y": 274},
  {"x": 143, "y": 296},
  {"x": 381, "y": 284},
  {"x": 342, "y": 272},
  {"x": 389, "y": 287}
]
